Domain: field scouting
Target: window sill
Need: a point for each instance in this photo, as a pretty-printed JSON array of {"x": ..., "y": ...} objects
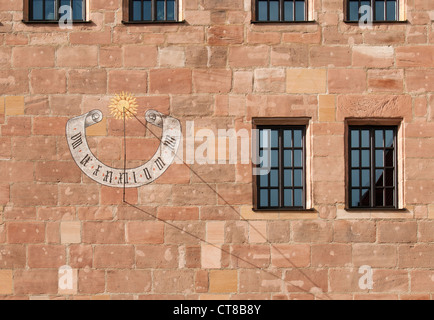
[
  {"x": 54, "y": 22},
  {"x": 377, "y": 22},
  {"x": 296, "y": 210},
  {"x": 284, "y": 22},
  {"x": 376, "y": 209},
  {"x": 151, "y": 22}
]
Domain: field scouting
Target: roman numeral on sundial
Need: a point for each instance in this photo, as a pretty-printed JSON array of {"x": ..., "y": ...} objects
[
  {"x": 160, "y": 163},
  {"x": 170, "y": 142},
  {"x": 76, "y": 140}
]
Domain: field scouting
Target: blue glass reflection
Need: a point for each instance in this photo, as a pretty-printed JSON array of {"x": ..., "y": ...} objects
[
  {"x": 38, "y": 10},
  {"x": 171, "y": 10},
  {"x": 355, "y": 178},
  {"x": 353, "y": 11},
  {"x": 160, "y": 10},
  {"x": 298, "y": 198},
  {"x": 391, "y": 10},
  {"x": 50, "y": 12},
  {"x": 299, "y": 10},
  {"x": 77, "y": 12},
  {"x": 287, "y": 158},
  {"x": 355, "y": 136},
  {"x": 379, "y": 10},
  {"x": 263, "y": 198},
  {"x": 262, "y": 11},
  {"x": 289, "y": 11},
  {"x": 147, "y": 10},
  {"x": 355, "y": 198},
  {"x": 274, "y": 10},
  {"x": 137, "y": 7},
  {"x": 288, "y": 198},
  {"x": 274, "y": 198},
  {"x": 274, "y": 178},
  {"x": 287, "y": 178}
]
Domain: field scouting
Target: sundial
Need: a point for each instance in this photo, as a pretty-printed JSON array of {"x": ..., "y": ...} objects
[{"x": 123, "y": 107}]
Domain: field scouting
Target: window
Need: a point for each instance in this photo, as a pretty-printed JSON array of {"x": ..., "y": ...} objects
[
  {"x": 48, "y": 10},
  {"x": 381, "y": 10},
  {"x": 373, "y": 167},
  {"x": 151, "y": 10},
  {"x": 281, "y": 10},
  {"x": 282, "y": 149}
]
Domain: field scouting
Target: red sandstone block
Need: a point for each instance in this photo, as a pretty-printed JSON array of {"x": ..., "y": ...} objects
[
  {"x": 416, "y": 256},
  {"x": 129, "y": 281},
  {"x": 306, "y": 280},
  {"x": 91, "y": 281},
  {"x": 12, "y": 256},
  {"x": 77, "y": 56},
  {"x": 426, "y": 231},
  {"x": 14, "y": 81},
  {"x": 49, "y": 126},
  {"x": 198, "y": 194},
  {"x": 176, "y": 174},
  {"x": 105, "y": 5},
  {"x": 397, "y": 232},
  {"x": 419, "y": 81},
  {"x": 302, "y": 37},
  {"x": 5, "y": 54},
  {"x": 29, "y": 56},
  {"x": 415, "y": 56},
  {"x": 187, "y": 35},
  {"x": 201, "y": 281},
  {"x": 26, "y": 232},
  {"x": 113, "y": 256},
  {"x": 225, "y": 35},
  {"x": 80, "y": 256},
  {"x": 234, "y": 194},
  {"x": 140, "y": 56},
  {"x": 69, "y": 105},
  {"x": 290, "y": 256},
  {"x": 128, "y": 81},
  {"x": 331, "y": 255},
  {"x": 157, "y": 256},
  {"x": 90, "y": 38},
  {"x": 373, "y": 56},
  {"x": 53, "y": 232},
  {"x": 374, "y": 255},
  {"x": 312, "y": 231},
  {"x": 269, "y": 80},
  {"x": 263, "y": 37},
  {"x": 5, "y": 147},
  {"x": 34, "y": 148},
  {"x": 57, "y": 171},
  {"x": 328, "y": 168},
  {"x": 96, "y": 213},
  {"x": 36, "y": 281},
  {"x": 32, "y": 194},
  {"x": 422, "y": 281},
  {"x": 338, "y": 80},
  {"x": 115, "y": 196},
  {"x": 250, "y": 256},
  {"x": 46, "y": 256},
  {"x": 385, "y": 80},
  {"x": 56, "y": 213},
  {"x": 4, "y": 194},
  {"x": 260, "y": 281},
  {"x": 16, "y": 39},
  {"x": 345, "y": 280},
  {"x": 329, "y": 56},
  {"x": 178, "y": 213},
  {"x": 17, "y": 126},
  {"x": 17, "y": 213},
  {"x": 185, "y": 232},
  {"x": 393, "y": 281},
  {"x": 354, "y": 231},
  {"x": 251, "y": 56},
  {"x": 173, "y": 81},
  {"x": 103, "y": 232},
  {"x": 110, "y": 57},
  {"x": 70, "y": 194},
  {"x": 212, "y": 81},
  {"x": 87, "y": 81},
  {"x": 151, "y": 232},
  {"x": 173, "y": 281}
]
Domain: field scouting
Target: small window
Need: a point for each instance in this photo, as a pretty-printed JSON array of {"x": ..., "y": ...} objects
[
  {"x": 281, "y": 10},
  {"x": 152, "y": 11},
  {"x": 282, "y": 150},
  {"x": 373, "y": 167},
  {"x": 48, "y": 10},
  {"x": 379, "y": 10}
]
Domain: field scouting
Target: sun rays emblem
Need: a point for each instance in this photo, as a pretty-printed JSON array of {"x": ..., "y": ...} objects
[{"x": 123, "y": 104}]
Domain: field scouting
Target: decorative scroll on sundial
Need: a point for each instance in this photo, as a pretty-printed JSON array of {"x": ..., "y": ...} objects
[{"x": 121, "y": 177}]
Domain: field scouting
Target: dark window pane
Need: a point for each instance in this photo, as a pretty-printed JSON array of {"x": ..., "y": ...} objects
[
  {"x": 64, "y": 13},
  {"x": 287, "y": 139},
  {"x": 379, "y": 139},
  {"x": 355, "y": 178},
  {"x": 171, "y": 10},
  {"x": 287, "y": 202},
  {"x": 264, "y": 138},
  {"x": 365, "y": 201},
  {"x": 263, "y": 198},
  {"x": 274, "y": 138},
  {"x": 379, "y": 175},
  {"x": 390, "y": 197},
  {"x": 289, "y": 11},
  {"x": 298, "y": 158},
  {"x": 274, "y": 198},
  {"x": 147, "y": 10},
  {"x": 274, "y": 178},
  {"x": 50, "y": 12},
  {"x": 137, "y": 7},
  {"x": 160, "y": 10},
  {"x": 390, "y": 177},
  {"x": 77, "y": 13},
  {"x": 379, "y": 197},
  {"x": 355, "y": 139},
  {"x": 366, "y": 158},
  {"x": 379, "y": 155},
  {"x": 379, "y": 10},
  {"x": 366, "y": 178},
  {"x": 355, "y": 158},
  {"x": 262, "y": 11},
  {"x": 275, "y": 158},
  {"x": 298, "y": 198},
  {"x": 389, "y": 138},
  {"x": 37, "y": 10},
  {"x": 365, "y": 139},
  {"x": 389, "y": 158},
  {"x": 298, "y": 178},
  {"x": 263, "y": 180},
  {"x": 274, "y": 10},
  {"x": 287, "y": 179},
  {"x": 299, "y": 11},
  {"x": 287, "y": 158},
  {"x": 298, "y": 139},
  {"x": 391, "y": 10},
  {"x": 355, "y": 198},
  {"x": 353, "y": 11}
]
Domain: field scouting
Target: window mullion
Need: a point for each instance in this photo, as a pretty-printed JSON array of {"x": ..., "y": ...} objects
[{"x": 280, "y": 168}]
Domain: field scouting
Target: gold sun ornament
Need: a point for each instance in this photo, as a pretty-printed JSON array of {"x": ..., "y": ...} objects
[{"x": 123, "y": 105}]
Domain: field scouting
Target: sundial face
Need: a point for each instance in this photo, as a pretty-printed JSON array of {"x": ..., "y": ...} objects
[{"x": 106, "y": 175}]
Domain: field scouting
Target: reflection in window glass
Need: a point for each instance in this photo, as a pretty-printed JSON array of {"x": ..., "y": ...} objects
[
  {"x": 274, "y": 10},
  {"x": 353, "y": 11},
  {"x": 391, "y": 10},
  {"x": 38, "y": 10},
  {"x": 299, "y": 11},
  {"x": 171, "y": 10},
  {"x": 50, "y": 11},
  {"x": 77, "y": 12},
  {"x": 289, "y": 11},
  {"x": 262, "y": 10},
  {"x": 293, "y": 10},
  {"x": 160, "y": 10}
]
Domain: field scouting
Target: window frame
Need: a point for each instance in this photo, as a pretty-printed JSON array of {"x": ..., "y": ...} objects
[
  {"x": 274, "y": 124},
  {"x": 28, "y": 12},
  {"x": 373, "y": 167},
  {"x": 398, "y": 14},
  {"x": 127, "y": 14},
  {"x": 307, "y": 13}
]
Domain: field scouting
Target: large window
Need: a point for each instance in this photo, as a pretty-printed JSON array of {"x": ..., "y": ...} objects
[
  {"x": 373, "y": 167},
  {"x": 282, "y": 149},
  {"x": 379, "y": 10},
  {"x": 48, "y": 10},
  {"x": 152, "y": 10},
  {"x": 281, "y": 10}
]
